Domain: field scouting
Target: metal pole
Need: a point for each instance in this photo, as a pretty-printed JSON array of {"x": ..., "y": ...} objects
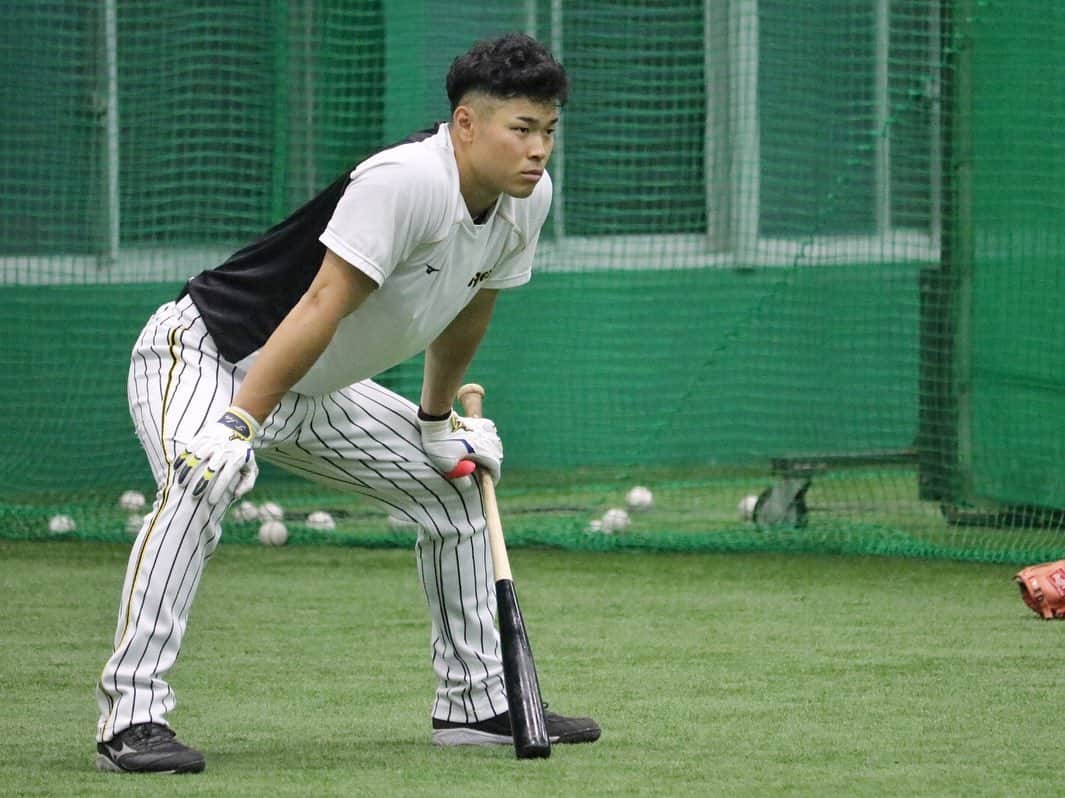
[
  {"x": 558, "y": 159},
  {"x": 883, "y": 122},
  {"x": 746, "y": 133},
  {"x": 113, "y": 222}
]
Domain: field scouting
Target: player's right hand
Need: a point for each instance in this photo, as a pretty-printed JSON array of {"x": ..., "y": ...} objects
[
  {"x": 459, "y": 438},
  {"x": 222, "y": 458}
]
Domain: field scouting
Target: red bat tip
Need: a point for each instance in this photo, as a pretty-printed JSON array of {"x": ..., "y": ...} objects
[{"x": 463, "y": 469}]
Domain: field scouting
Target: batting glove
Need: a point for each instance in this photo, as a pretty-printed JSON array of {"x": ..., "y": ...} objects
[
  {"x": 457, "y": 438},
  {"x": 223, "y": 449}
]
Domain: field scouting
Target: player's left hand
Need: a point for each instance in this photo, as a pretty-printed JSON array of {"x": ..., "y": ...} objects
[
  {"x": 461, "y": 438},
  {"x": 222, "y": 456}
]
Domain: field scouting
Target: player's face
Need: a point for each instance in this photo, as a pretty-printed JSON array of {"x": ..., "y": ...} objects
[{"x": 511, "y": 145}]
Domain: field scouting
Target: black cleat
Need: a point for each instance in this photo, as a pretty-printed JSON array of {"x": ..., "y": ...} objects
[
  {"x": 496, "y": 731},
  {"x": 148, "y": 748}
]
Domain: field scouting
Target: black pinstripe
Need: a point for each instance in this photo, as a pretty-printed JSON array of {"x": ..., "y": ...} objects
[
  {"x": 445, "y": 623},
  {"x": 363, "y": 439}
]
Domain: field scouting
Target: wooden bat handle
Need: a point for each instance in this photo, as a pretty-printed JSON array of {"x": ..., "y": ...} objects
[
  {"x": 471, "y": 397},
  {"x": 524, "y": 701}
]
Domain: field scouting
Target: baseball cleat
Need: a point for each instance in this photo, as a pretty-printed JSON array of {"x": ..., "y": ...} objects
[
  {"x": 148, "y": 748},
  {"x": 496, "y": 731}
]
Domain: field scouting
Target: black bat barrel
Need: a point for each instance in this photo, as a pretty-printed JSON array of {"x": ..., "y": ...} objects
[{"x": 523, "y": 689}]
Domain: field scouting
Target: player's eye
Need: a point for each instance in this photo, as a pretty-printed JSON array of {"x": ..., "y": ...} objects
[{"x": 522, "y": 130}]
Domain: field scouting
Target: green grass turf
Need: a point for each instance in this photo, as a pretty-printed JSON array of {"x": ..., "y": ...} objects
[{"x": 305, "y": 673}]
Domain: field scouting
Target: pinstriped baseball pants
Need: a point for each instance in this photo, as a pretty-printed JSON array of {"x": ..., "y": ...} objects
[{"x": 362, "y": 438}]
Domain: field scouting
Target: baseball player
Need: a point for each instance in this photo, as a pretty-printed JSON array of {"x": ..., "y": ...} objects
[{"x": 271, "y": 356}]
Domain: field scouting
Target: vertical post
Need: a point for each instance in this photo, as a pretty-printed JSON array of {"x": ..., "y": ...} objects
[
  {"x": 934, "y": 93},
  {"x": 309, "y": 137},
  {"x": 531, "y": 21},
  {"x": 944, "y": 452},
  {"x": 746, "y": 129},
  {"x": 558, "y": 159},
  {"x": 961, "y": 231},
  {"x": 717, "y": 141},
  {"x": 111, "y": 137},
  {"x": 883, "y": 121},
  {"x": 279, "y": 185}
]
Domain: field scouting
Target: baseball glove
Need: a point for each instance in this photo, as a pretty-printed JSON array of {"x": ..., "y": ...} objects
[{"x": 1043, "y": 588}]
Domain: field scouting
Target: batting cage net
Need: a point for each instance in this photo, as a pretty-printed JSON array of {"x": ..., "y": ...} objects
[{"x": 801, "y": 280}]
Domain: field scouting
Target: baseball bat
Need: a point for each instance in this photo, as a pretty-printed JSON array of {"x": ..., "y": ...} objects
[{"x": 526, "y": 708}]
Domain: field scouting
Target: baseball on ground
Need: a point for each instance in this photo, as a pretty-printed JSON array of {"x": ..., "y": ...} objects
[
  {"x": 746, "y": 507},
  {"x": 401, "y": 523},
  {"x": 639, "y": 498},
  {"x": 615, "y": 520},
  {"x": 132, "y": 501},
  {"x": 273, "y": 533},
  {"x": 134, "y": 523},
  {"x": 59, "y": 524},
  {"x": 245, "y": 511},
  {"x": 321, "y": 521},
  {"x": 271, "y": 511}
]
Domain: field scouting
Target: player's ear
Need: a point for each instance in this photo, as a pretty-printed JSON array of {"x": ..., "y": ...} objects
[{"x": 463, "y": 119}]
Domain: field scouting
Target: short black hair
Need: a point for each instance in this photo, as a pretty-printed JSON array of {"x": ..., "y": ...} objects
[{"x": 513, "y": 65}]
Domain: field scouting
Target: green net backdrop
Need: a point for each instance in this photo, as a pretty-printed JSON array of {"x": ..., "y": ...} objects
[{"x": 814, "y": 238}]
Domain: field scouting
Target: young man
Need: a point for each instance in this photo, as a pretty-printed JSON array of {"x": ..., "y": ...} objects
[{"x": 270, "y": 355}]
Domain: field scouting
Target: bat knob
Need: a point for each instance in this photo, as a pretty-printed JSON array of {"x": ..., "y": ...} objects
[{"x": 463, "y": 469}]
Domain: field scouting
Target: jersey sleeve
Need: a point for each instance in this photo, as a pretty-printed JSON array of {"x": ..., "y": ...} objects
[
  {"x": 515, "y": 268},
  {"x": 385, "y": 212}
]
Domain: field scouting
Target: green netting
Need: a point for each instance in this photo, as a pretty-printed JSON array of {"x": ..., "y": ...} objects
[{"x": 815, "y": 240}]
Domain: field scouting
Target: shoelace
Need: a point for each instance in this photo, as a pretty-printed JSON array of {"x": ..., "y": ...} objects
[{"x": 151, "y": 735}]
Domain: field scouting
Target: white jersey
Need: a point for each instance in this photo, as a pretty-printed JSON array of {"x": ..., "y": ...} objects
[{"x": 403, "y": 222}]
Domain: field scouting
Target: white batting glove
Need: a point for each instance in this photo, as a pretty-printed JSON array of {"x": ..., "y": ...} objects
[
  {"x": 457, "y": 438},
  {"x": 221, "y": 454}
]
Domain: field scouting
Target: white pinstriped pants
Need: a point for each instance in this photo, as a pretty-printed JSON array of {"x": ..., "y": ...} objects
[{"x": 363, "y": 438}]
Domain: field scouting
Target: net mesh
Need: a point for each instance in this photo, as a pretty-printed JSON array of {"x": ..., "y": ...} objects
[{"x": 796, "y": 247}]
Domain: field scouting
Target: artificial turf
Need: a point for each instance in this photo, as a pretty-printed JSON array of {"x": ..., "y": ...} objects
[{"x": 306, "y": 673}]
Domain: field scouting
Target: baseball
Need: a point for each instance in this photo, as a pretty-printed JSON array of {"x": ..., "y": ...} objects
[
  {"x": 60, "y": 524},
  {"x": 273, "y": 533},
  {"x": 615, "y": 520},
  {"x": 321, "y": 521},
  {"x": 746, "y": 507},
  {"x": 271, "y": 511},
  {"x": 134, "y": 523},
  {"x": 245, "y": 511},
  {"x": 639, "y": 498},
  {"x": 401, "y": 523},
  {"x": 131, "y": 501}
]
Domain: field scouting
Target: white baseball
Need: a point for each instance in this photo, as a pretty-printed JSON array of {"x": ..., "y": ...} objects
[
  {"x": 245, "y": 511},
  {"x": 270, "y": 511},
  {"x": 746, "y": 507},
  {"x": 132, "y": 501},
  {"x": 135, "y": 522},
  {"x": 615, "y": 520},
  {"x": 321, "y": 521},
  {"x": 399, "y": 522},
  {"x": 60, "y": 524},
  {"x": 273, "y": 533},
  {"x": 639, "y": 498}
]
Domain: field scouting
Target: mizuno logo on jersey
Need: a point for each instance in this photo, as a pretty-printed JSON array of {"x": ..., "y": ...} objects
[{"x": 430, "y": 269}]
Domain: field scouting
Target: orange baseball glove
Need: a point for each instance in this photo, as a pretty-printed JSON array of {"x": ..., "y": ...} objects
[{"x": 1043, "y": 588}]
